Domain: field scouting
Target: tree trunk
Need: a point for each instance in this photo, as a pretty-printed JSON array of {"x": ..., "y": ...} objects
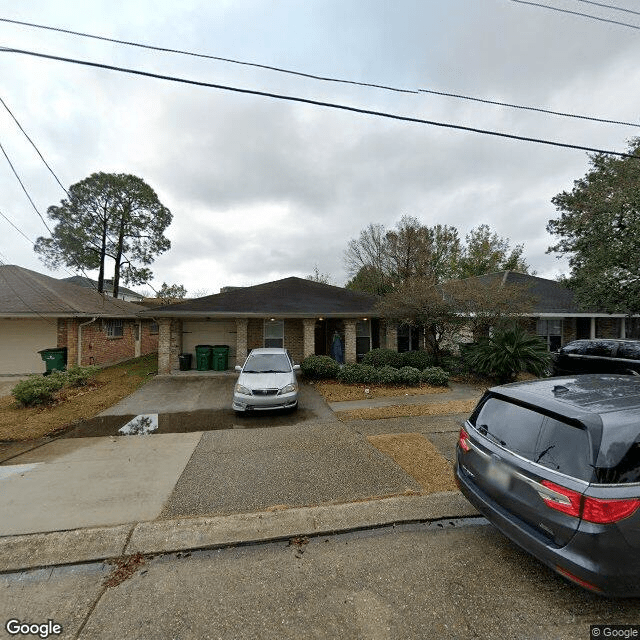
[{"x": 118, "y": 258}]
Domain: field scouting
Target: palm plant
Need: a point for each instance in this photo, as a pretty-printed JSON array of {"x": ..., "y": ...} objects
[{"x": 508, "y": 352}]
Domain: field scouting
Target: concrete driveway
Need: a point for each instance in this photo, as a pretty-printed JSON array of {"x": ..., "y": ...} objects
[{"x": 187, "y": 404}]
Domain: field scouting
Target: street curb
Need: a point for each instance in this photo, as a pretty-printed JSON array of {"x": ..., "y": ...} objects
[{"x": 56, "y": 548}]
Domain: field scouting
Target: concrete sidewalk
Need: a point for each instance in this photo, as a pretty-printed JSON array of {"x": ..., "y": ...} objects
[{"x": 183, "y": 534}]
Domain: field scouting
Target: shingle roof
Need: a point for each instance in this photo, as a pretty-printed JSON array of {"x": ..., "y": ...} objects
[
  {"x": 290, "y": 297},
  {"x": 549, "y": 295},
  {"x": 83, "y": 281},
  {"x": 27, "y": 293}
]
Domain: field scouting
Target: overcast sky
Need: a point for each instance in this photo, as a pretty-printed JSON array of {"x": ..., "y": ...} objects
[{"x": 262, "y": 189}]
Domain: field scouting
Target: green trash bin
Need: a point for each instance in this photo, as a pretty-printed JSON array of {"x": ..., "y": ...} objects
[
  {"x": 54, "y": 359},
  {"x": 220, "y": 357},
  {"x": 204, "y": 357}
]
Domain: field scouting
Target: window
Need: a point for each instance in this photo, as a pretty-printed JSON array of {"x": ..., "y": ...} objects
[
  {"x": 153, "y": 328},
  {"x": 509, "y": 425},
  {"x": 114, "y": 328},
  {"x": 602, "y": 348},
  {"x": 565, "y": 448},
  {"x": 408, "y": 338},
  {"x": 363, "y": 338},
  {"x": 578, "y": 348},
  {"x": 551, "y": 330},
  {"x": 274, "y": 333},
  {"x": 629, "y": 350}
]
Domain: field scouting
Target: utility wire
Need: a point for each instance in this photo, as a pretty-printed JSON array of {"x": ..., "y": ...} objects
[
  {"x": 15, "y": 173},
  {"x": 329, "y": 105},
  {"x": 56, "y": 178},
  {"x": 577, "y": 13},
  {"x": 313, "y": 76},
  {"x": 22, "y": 233},
  {"x": 526, "y": 108},
  {"x": 609, "y": 6},
  {"x": 4, "y": 104}
]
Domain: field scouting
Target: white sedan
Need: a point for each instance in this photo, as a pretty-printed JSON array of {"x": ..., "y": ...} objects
[{"x": 266, "y": 381}]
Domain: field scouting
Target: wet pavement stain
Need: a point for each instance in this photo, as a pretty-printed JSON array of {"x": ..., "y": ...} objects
[{"x": 187, "y": 422}]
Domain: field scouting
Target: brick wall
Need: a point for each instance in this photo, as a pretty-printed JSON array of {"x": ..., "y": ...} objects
[
  {"x": 607, "y": 327},
  {"x": 255, "y": 334},
  {"x": 97, "y": 347},
  {"x": 294, "y": 339}
]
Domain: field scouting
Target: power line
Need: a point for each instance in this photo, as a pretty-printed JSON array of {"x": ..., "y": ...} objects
[
  {"x": 15, "y": 173},
  {"x": 22, "y": 233},
  {"x": 526, "y": 108},
  {"x": 610, "y": 6},
  {"x": 329, "y": 105},
  {"x": 4, "y": 104},
  {"x": 577, "y": 13},
  {"x": 314, "y": 76}
]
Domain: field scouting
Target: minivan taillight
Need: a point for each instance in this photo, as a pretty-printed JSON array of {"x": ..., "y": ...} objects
[
  {"x": 462, "y": 440},
  {"x": 596, "y": 510},
  {"x": 606, "y": 511},
  {"x": 568, "y": 501}
]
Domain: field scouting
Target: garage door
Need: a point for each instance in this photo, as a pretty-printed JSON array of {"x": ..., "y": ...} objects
[
  {"x": 20, "y": 341},
  {"x": 209, "y": 332}
]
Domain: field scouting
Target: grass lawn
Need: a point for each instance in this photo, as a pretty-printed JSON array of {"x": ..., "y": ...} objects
[
  {"x": 337, "y": 392},
  {"x": 75, "y": 404}
]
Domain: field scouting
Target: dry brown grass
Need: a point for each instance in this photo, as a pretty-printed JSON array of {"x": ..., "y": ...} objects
[
  {"x": 338, "y": 392},
  {"x": 72, "y": 405},
  {"x": 419, "y": 458},
  {"x": 409, "y": 410}
]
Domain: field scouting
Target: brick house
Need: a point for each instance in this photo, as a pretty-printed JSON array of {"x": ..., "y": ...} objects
[
  {"x": 297, "y": 314},
  {"x": 556, "y": 316},
  {"x": 38, "y": 312}
]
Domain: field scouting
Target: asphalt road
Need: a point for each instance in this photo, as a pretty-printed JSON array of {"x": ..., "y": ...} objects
[{"x": 414, "y": 581}]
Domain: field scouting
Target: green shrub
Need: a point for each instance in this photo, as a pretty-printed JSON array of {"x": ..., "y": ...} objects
[
  {"x": 320, "y": 368},
  {"x": 388, "y": 375},
  {"x": 417, "y": 359},
  {"x": 382, "y": 357},
  {"x": 37, "y": 389},
  {"x": 79, "y": 376},
  {"x": 409, "y": 376},
  {"x": 435, "y": 376},
  {"x": 508, "y": 352},
  {"x": 358, "y": 373}
]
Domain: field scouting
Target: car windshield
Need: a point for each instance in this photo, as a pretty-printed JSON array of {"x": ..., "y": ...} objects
[{"x": 267, "y": 363}]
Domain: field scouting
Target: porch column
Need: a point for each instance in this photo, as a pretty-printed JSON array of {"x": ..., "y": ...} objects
[
  {"x": 309, "y": 337},
  {"x": 241, "y": 340},
  {"x": 623, "y": 328},
  {"x": 391, "y": 337},
  {"x": 592, "y": 330},
  {"x": 169, "y": 344},
  {"x": 350, "y": 341},
  {"x": 164, "y": 342}
]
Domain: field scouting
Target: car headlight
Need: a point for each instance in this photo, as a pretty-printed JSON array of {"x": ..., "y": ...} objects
[
  {"x": 243, "y": 390},
  {"x": 288, "y": 388}
]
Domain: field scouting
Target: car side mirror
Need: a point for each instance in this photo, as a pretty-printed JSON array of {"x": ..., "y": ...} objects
[
  {"x": 296, "y": 367},
  {"x": 238, "y": 368}
]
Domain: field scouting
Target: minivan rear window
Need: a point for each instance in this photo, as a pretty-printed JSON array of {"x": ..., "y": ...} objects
[
  {"x": 564, "y": 448},
  {"x": 514, "y": 427}
]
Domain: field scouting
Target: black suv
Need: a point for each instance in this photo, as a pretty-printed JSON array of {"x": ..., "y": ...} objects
[
  {"x": 598, "y": 356},
  {"x": 555, "y": 465}
]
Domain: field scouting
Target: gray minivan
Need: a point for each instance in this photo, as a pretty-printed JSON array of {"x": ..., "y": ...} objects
[{"x": 555, "y": 465}]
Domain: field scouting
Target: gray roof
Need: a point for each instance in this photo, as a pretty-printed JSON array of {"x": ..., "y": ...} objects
[
  {"x": 287, "y": 298},
  {"x": 83, "y": 281},
  {"x": 549, "y": 296},
  {"x": 26, "y": 293}
]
